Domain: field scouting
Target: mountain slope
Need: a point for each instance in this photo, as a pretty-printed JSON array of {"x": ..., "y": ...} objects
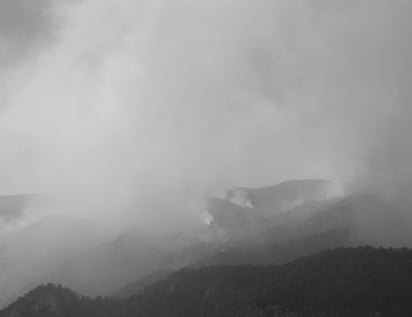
[
  {"x": 243, "y": 207},
  {"x": 360, "y": 281},
  {"x": 282, "y": 196},
  {"x": 30, "y": 255},
  {"x": 347, "y": 281},
  {"x": 312, "y": 227}
]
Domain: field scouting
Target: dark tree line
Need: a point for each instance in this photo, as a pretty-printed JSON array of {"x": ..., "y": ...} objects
[{"x": 361, "y": 281}]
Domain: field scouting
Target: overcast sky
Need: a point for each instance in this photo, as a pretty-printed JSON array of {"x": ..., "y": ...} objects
[
  {"x": 152, "y": 105},
  {"x": 22, "y": 24}
]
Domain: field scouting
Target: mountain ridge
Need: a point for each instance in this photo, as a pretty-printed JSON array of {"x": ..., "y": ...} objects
[{"x": 362, "y": 281}]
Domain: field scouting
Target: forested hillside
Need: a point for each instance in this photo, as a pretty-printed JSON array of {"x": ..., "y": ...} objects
[{"x": 361, "y": 281}]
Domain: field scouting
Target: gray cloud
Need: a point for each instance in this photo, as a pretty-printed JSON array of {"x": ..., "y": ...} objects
[
  {"x": 139, "y": 109},
  {"x": 24, "y": 24},
  {"x": 23, "y": 18}
]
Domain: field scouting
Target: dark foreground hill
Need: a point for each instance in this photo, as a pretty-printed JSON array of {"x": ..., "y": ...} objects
[{"x": 360, "y": 281}]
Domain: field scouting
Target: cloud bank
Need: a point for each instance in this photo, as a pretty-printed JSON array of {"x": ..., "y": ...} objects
[{"x": 134, "y": 111}]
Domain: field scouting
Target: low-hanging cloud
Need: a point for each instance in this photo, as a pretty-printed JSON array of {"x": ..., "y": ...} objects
[{"x": 134, "y": 111}]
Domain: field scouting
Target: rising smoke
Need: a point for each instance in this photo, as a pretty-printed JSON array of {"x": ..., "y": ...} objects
[{"x": 134, "y": 111}]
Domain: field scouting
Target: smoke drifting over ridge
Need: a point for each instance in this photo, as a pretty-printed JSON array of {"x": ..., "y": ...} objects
[{"x": 136, "y": 110}]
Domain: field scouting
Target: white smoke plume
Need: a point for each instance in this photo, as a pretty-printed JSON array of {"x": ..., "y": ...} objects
[{"x": 134, "y": 111}]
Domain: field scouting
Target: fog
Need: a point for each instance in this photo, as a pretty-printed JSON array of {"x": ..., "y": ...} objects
[{"x": 132, "y": 113}]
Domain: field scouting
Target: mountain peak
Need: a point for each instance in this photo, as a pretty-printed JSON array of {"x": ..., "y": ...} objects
[{"x": 45, "y": 300}]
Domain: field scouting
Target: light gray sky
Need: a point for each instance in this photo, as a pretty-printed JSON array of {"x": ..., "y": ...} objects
[
  {"x": 23, "y": 18},
  {"x": 23, "y": 24},
  {"x": 141, "y": 99}
]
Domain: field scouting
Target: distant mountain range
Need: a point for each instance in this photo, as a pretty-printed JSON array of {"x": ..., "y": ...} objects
[
  {"x": 250, "y": 226},
  {"x": 311, "y": 227},
  {"x": 242, "y": 207}
]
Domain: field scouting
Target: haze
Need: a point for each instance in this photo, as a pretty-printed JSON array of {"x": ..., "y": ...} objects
[
  {"x": 132, "y": 112},
  {"x": 135, "y": 111},
  {"x": 119, "y": 120}
]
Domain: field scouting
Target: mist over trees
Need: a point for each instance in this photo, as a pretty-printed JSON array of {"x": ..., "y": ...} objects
[
  {"x": 344, "y": 282},
  {"x": 199, "y": 158}
]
